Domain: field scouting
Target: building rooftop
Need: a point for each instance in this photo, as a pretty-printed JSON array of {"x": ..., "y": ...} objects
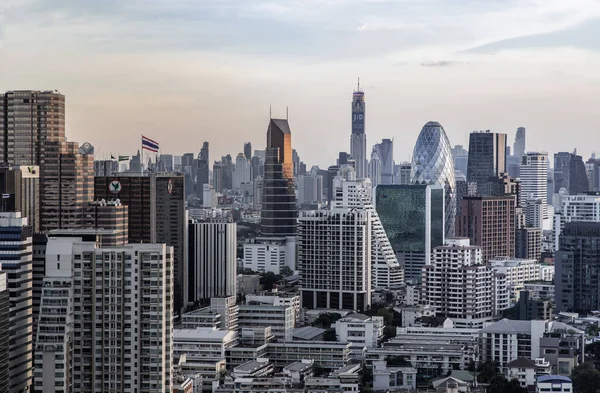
[
  {"x": 251, "y": 366},
  {"x": 508, "y": 326},
  {"x": 553, "y": 378},
  {"x": 203, "y": 334},
  {"x": 298, "y": 366},
  {"x": 555, "y": 326},
  {"x": 361, "y": 317},
  {"x": 521, "y": 363},
  {"x": 307, "y": 333}
]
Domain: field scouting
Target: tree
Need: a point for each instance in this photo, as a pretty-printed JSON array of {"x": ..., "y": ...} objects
[
  {"x": 586, "y": 379},
  {"x": 499, "y": 384},
  {"x": 329, "y": 335},
  {"x": 592, "y": 353},
  {"x": 326, "y": 319},
  {"x": 318, "y": 370},
  {"x": 286, "y": 271},
  {"x": 268, "y": 280},
  {"x": 486, "y": 371}
]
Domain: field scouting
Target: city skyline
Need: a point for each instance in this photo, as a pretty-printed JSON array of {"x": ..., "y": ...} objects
[{"x": 531, "y": 61}]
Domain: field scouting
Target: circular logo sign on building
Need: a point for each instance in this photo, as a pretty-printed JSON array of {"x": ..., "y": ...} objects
[
  {"x": 170, "y": 186},
  {"x": 115, "y": 187}
]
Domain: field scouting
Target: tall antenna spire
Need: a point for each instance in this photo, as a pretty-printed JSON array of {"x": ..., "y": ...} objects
[
  {"x": 270, "y": 113},
  {"x": 358, "y": 84},
  {"x": 287, "y": 113}
]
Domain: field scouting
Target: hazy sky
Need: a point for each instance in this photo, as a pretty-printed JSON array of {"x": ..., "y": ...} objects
[{"x": 185, "y": 71}]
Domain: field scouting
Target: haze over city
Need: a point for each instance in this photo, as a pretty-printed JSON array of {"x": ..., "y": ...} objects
[{"x": 184, "y": 72}]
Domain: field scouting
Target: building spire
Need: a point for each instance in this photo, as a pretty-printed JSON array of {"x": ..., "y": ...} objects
[{"x": 358, "y": 88}]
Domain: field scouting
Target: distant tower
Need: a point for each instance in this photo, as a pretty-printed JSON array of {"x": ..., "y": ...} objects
[
  {"x": 203, "y": 169},
  {"x": 248, "y": 150},
  {"x": 487, "y": 158},
  {"x": 519, "y": 146},
  {"x": 358, "y": 139}
]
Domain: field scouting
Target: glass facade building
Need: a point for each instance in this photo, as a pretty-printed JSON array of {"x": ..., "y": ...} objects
[
  {"x": 413, "y": 219},
  {"x": 432, "y": 165},
  {"x": 487, "y": 159}
]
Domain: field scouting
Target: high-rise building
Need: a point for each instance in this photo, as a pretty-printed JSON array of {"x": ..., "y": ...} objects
[
  {"x": 16, "y": 239},
  {"x": 21, "y": 187},
  {"x": 386, "y": 272},
  {"x": 112, "y": 334},
  {"x": 106, "y": 167},
  {"x": 358, "y": 138},
  {"x": 402, "y": 174},
  {"x": 4, "y": 332},
  {"x": 258, "y": 162},
  {"x": 489, "y": 222},
  {"x": 156, "y": 214},
  {"x": 413, "y": 219},
  {"x": 218, "y": 176},
  {"x": 109, "y": 215},
  {"x": 242, "y": 173},
  {"x": 460, "y": 286},
  {"x": 528, "y": 243},
  {"x": 461, "y": 158},
  {"x": 29, "y": 119},
  {"x": 248, "y": 150},
  {"x": 432, "y": 164},
  {"x": 203, "y": 170},
  {"x": 332, "y": 172},
  {"x": 335, "y": 273},
  {"x": 487, "y": 158},
  {"x": 165, "y": 163},
  {"x": 212, "y": 268},
  {"x": 279, "y": 212},
  {"x": 227, "y": 172},
  {"x": 577, "y": 268},
  {"x": 534, "y": 178},
  {"x": 66, "y": 183},
  {"x": 520, "y": 145},
  {"x": 385, "y": 152},
  {"x": 310, "y": 189},
  {"x": 570, "y": 173},
  {"x": 375, "y": 169}
]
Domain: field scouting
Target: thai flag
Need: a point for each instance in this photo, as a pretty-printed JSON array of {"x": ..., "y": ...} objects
[{"x": 149, "y": 144}]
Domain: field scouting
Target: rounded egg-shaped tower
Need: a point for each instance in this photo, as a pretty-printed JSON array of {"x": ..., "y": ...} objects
[{"x": 432, "y": 164}]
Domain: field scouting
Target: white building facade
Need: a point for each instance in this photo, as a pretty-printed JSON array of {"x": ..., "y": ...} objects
[
  {"x": 360, "y": 329},
  {"x": 533, "y": 174}
]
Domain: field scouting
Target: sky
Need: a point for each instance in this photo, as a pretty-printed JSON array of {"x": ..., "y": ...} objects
[{"x": 185, "y": 71}]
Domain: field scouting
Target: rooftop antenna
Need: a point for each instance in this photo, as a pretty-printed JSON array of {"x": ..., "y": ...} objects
[
  {"x": 287, "y": 113},
  {"x": 358, "y": 84},
  {"x": 270, "y": 115}
]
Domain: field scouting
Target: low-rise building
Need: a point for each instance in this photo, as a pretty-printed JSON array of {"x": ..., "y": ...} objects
[
  {"x": 523, "y": 370},
  {"x": 411, "y": 315},
  {"x": 221, "y": 314},
  {"x": 248, "y": 283},
  {"x": 540, "y": 290},
  {"x": 344, "y": 379},
  {"x": 203, "y": 344},
  {"x": 360, "y": 329},
  {"x": 279, "y": 318},
  {"x": 277, "y": 298},
  {"x": 260, "y": 367},
  {"x": 209, "y": 372},
  {"x": 270, "y": 254},
  {"x": 298, "y": 371},
  {"x": 330, "y": 355},
  {"x": 388, "y": 378},
  {"x": 554, "y": 384}
]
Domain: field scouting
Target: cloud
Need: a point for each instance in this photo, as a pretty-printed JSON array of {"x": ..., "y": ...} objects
[{"x": 439, "y": 63}]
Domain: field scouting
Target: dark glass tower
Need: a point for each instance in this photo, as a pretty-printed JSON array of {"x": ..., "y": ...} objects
[
  {"x": 203, "y": 170},
  {"x": 248, "y": 150},
  {"x": 279, "y": 213},
  {"x": 487, "y": 158}
]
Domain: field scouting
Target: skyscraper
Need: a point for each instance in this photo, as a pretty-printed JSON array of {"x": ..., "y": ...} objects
[
  {"x": 358, "y": 138},
  {"x": 310, "y": 189},
  {"x": 520, "y": 142},
  {"x": 212, "y": 261},
  {"x": 29, "y": 119},
  {"x": 4, "y": 332},
  {"x": 248, "y": 150},
  {"x": 279, "y": 212},
  {"x": 242, "y": 172},
  {"x": 461, "y": 158},
  {"x": 375, "y": 169},
  {"x": 577, "y": 267},
  {"x": 385, "y": 152},
  {"x": 570, "y": 173},
  {"x": 22, "y": 186},
  {"x": 487, "y": 158},
  {"x": 432, "y": 164},
  {"x": 489, "y": 222},
  {"x": 335, "y": 273},
  {"x": 203, "y": 170},
  {"x": 413, "y": 219},
  {"x": 16, "y": 240},
  {"x": 534, "y": 179}
]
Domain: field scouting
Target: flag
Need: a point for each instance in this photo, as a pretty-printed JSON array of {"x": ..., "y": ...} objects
[
  {"x": 5, "y": 196},
  {"x": 149, "y": 144},
  {"x": 123, "y": 158},
  {"x": 112, "y": 157}
]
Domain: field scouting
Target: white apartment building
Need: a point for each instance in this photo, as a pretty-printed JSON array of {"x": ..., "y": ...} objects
[
  {"x": 275, "y": 298},
  {"x": 540, "y": 289},
  {"x": 279, "y": 318},
  {"x": 386, "y": 272},
  {"x": 203, "y": 345},
  {"x": 334, "y": 258},
  {"x": 459, "y": 285},
  {"x": 331, "y": 355},
  {"x": 575, "y": 208},
  {"x": 16, "y": 260},
  {"x": 508, "y": 340},
  {"x": 359, "y": 329},
  {"x": 533, "y": 174},
  {"x": 554, "y": 384},
  {"x": 517, "y": 272},
  {"x": 270, "y": 255},
  {"x": 106, "y": 318},
  {"x": 242, "y": 172}
]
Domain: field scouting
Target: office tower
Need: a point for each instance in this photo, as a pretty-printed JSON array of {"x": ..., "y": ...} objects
[
  {"x": 108, "y": 215},
  {"x": 332, "y": 172},
  {"x": 487, "y": 158},
  {"x": 342, "y": 158},
  {"x": 570, "y": 173},
  {"x": 242, "y": 173},
  {"x": 106, "y": 167},
  {"x": 358, "y": 138},
  {"x": 489, "y": 222},
  {"x": 562, "y": 163},
  {"x": 534, "y": 213},
  {"x": 248, "y": 150},
  {"x": 386, "y": 272},
  {"x": 4, "y": 332},
  {"x": 257, "y": 194},
  {"x": 295, "y": 162},
  {"x": 165, "y": 162},
  {"x": 203, "y": 170},
  {"x": 156, "y": 214},
  {"x": 413, "y": 219},
  {"x": 135, "y": 163},
  {"x": 385, "y": 152},
  {"x": 29, "y": 119},
  {"x": 375, "y": 169},
  {"x": 432, "y": 164},
  {"x": 106, "y": 324},
  {"x": 310, "y": 189},
  {"x": 227, "y": 172},
  {"x": 258, "y": 162},
  {"x": 335, "y": 273},
  {"x": 212, "y": 268},
  {"x": 66, "y": 183},
  {"x": 189, "y": 167},
  {"x": 528, "y": 243},
  {"x": 403, "y": 171},
  {"x": 218, "y": 176},
  {"x": 461, "y": 158},
  {"x": 459, "y": 285},
  {"x": 534, "y": 177},
  {"x": 278, "y": 213},
  {"x": 16, "y": 260},
  {"x": 21, "y": 187},
  {"x": 520, "y": 146},
  {"x": 461, "y": 190},
  {"x": 577, "y": 268}
]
